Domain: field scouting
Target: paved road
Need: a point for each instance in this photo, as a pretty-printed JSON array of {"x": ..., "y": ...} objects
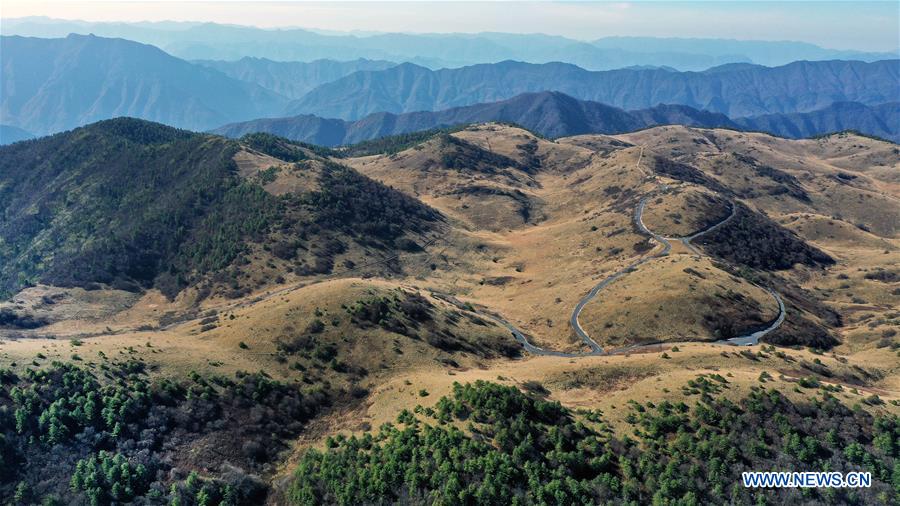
[
  {"x": 596, "y": 349},
  {"x": 754, "y": 337},
  {"x": 687, "y": 240},
  {"x": 573, "y": 320}
]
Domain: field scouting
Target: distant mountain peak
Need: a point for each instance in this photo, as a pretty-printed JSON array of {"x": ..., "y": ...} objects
[
  {"x": 85, "y": 78},
  {"x": 733, "y": 67}
]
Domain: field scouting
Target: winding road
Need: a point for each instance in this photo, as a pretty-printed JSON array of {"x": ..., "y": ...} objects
[{"x": 596, "y": 349}]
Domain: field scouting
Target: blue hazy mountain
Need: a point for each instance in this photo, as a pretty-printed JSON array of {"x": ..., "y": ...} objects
[
  {"x": 555, "y": 114},
  {"x": 227, "y": 42},
  {"x": 882, "y": 120},
  {"x": 10, "y": 134},
  {"x": 735, "y": 89},
  {"x": 50, "y": 85},
  {"x": 291, "y": 79},
  {"x": 551, "y": 114}
]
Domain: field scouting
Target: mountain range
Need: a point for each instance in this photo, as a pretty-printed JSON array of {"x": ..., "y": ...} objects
[
  {"x": 554, "y": 114},
  {"x": 49, "y": 85},
  {"x": 361, "y": 280},
  {"x": 228, "y": 42},
  {"x": 735, "y": 90},
  {"x": 882, "y": 120}
]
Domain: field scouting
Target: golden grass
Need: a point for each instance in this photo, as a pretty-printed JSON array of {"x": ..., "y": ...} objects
[
  {"x": 675, "y": 299},
  {"x": 245, "y": 337},
  {"x": 534, "y": 271},
  {"x": 608, "y": 383},
  {"x": 685, "y": 210}
]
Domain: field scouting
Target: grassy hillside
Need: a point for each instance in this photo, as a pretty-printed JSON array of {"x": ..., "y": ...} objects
[{"x": 210, "y": 406}]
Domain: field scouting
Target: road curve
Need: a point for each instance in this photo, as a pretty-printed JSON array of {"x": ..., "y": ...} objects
[
  {"x": 596, "y": 349},
  {"x": 573, "y": 320},
  {"x": 753, "y": 338},
  {"x": 687, "y": 240}
]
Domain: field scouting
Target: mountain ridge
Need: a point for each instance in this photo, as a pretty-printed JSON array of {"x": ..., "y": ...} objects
[
  {"x": 734, "y": 91},
  {"x": 881, "y": 120},
  {"x": 229, "y": 42},
  {"x": 49, "y": 85},
  {"x": 554, "y": 114},
  {"x": 205, "y": 202}
]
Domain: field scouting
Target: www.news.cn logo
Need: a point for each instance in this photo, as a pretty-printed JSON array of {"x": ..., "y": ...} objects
[{"x": 806, "y": 480}]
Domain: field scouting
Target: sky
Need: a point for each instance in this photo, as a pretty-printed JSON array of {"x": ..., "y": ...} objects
[{"x": 869, "y": 26}]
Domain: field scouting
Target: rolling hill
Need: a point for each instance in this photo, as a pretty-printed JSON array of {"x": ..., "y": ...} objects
[
  {"x": 554, "y": 114},
  {"x": 133, "y": 205},
  {"x": 735, "y": 90},
  {"x": 557, "y": 215},
  {"x": 50, "y": 85},
  {"x": 194, "y": 318}
]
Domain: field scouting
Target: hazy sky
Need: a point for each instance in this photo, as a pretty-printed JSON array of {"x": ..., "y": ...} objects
[{"x": 840, "y": 25}]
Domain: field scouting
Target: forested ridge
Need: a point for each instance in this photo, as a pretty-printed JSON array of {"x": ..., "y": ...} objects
[
  {"x": 134, "y": 204},
  {"x": 756, "y": 241},
  {"x": 70, "y": 435},
  {"x": 123, "y": 202},
  {"x": 492, "y": 444}
]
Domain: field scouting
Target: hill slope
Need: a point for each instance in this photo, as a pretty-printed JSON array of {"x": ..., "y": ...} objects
[
  {"x": 49, "y": 85},
  {"x": 734, "y": 90},
  {"x": 136, "y": 204}
]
